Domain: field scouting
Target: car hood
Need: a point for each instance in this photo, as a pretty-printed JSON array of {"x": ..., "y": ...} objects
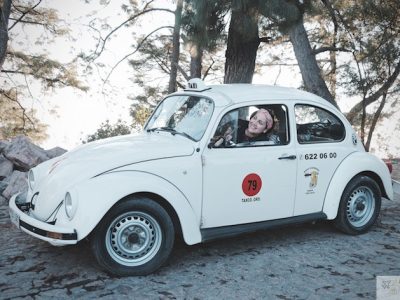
[
  {"x": 60, "y": 174},
  {"x": 107, "y": 154}
]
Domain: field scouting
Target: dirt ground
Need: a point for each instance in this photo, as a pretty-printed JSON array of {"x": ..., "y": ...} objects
[{"x": 310, "y": 261}]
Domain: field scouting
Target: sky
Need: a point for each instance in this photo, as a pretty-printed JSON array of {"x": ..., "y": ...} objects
[
  {"x": 81, "y": 113},
  {"x": 72, "y": 114}
]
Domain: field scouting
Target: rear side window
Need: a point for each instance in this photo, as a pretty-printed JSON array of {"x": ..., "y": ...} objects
[{"x": 317, "y": 125}]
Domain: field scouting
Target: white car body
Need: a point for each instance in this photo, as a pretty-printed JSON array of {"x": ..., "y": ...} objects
[{"x": 202, "y": 186}]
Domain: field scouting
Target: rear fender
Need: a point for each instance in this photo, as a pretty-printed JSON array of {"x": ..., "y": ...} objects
[{"x": 355, "y": 164}]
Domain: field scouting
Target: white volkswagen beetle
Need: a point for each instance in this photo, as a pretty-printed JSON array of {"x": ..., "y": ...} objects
[{"x": 212, "y": 162}]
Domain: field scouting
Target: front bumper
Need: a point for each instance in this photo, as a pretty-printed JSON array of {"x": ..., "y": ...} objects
[{"x": 53, "y": 234}]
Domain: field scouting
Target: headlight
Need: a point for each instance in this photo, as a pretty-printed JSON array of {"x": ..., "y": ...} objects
[
  {"x": 70, "y": 205},
  {"x": 31, "y": 179}
]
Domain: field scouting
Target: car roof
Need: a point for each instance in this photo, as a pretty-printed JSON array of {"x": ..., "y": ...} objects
[
  {"x": 224, "y": 94},
  {"x": 247, "y": 92}
]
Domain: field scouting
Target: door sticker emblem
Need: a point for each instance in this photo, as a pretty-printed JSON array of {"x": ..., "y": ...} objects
[
  {"x": 312, "y": 173},
  {"x": 251, "y": 185}
]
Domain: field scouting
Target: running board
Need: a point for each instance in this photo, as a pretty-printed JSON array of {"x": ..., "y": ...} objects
[{"x": 210, "y": 234}]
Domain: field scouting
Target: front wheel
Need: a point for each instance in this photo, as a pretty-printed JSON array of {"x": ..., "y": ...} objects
[
  {"x": 359, "y": 206},
  {"x": 134, "y": 238}
]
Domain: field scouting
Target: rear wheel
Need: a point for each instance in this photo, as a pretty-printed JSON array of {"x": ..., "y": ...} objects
[
  {"x": 359, "y": 206},
  {"x": 134, "y": 238}
]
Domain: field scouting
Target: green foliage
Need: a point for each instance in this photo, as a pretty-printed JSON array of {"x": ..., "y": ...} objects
[
  {"x": 282, "y": 13},
  {"x": 203, "y": 22},
  {"x": 15, "y": 120},
  {"x": 140, "y": 114},
  {"x": 24, "y": 66},
  {"x": 361, "y": 59},
  {"x": 51, "y": 73},
  {"x": 144, "y": 104},
  {"x": 371, "y": 31},
  {"x": 355, "y": 43},
  {"x": 107, "y": 130}
]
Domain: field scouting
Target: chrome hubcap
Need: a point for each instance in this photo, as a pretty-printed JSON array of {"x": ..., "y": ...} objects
[
  {"x": 133, "y": 238},
  {"x": 360, "y": 206}
]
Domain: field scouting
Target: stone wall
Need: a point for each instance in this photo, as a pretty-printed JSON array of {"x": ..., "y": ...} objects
[{"x": 17, "y": 156}]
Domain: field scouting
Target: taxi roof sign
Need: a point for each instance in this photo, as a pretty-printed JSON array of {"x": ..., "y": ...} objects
[{"x": 196, "y": 84}]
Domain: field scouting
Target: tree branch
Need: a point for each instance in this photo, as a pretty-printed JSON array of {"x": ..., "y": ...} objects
[
  {"x": 51, "y": 80},
  {"x": 264, "y": 39},
  {"x": 375, "y": 96},
  {"x": 97, "y": 53},
  {"x": 183, "y": 72},
  {"x": 164, "y": 67},
  {"x": 137, "y": 49},
  {"x": 24, "y": 114},
  {"x": 182, "y": 86},
  {"x": 375, "y": 121},
  {"x": 26, "y": 22},
  {"x": 329, "y": 48},
  {"x": 208, "y": 69},
  {"x": 23, "y": 15}
]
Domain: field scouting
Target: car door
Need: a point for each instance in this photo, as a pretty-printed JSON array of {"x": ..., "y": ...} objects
[
  {"x": 321, "y": 146},
  {"x": 251, "y": 182}
]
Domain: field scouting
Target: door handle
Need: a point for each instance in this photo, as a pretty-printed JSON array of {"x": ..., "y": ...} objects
[{"x": 291, "y": 157}]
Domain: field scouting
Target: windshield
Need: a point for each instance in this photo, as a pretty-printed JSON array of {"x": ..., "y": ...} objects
[{"x": 185, "y": 115}]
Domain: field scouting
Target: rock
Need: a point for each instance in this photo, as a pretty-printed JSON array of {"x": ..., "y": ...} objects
[
  {"x": 3, "y": 186},
  {"x": 17, "y": 184},
  {"x": 6, "y": 167},
  {"x": 3, "y": 145},
  {"x": 3, "y": 201},
  {"x": 21, "y": 198},
  {"x": 54, "y": 152},
  {"x": 23, "y": 154}
]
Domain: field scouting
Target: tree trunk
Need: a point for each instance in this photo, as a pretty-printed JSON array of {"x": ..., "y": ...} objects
[
  {"x": 363, "y": 120},
  {"x": 332, "y": 54},
  {"x": 310, "y": 71},
  {"x": 196, "y": 57},
  {"x": 374, "y": 122},
  {"x": 175, "y": 48},
  {"x": 333, "y": 62},
  {"x": 4, "y": 16},
  {"x": 241, "y": 51}
]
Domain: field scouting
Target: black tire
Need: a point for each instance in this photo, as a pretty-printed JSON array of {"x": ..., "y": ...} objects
[
  {"x": 359, "y": 206},
  {"x": 135, "y": 237}
]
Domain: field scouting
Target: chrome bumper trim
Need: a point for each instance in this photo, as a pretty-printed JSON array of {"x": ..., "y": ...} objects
[{"x": 51, "y": 233}]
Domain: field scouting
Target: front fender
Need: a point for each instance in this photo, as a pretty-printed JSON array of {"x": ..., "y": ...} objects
[
  {"x": 97, "y": 195},
  {"x": 355, "y": 163}
]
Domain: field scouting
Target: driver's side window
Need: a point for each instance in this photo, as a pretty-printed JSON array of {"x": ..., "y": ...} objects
[{"x": 261, "y": 125}]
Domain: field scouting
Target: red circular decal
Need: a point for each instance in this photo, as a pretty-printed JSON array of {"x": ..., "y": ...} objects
[{"x": 251, "y": 184}]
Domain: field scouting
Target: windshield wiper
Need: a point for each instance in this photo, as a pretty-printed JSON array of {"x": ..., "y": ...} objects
[
  {"x": 161, "y": 129},
  {"x": 183, "y": 134},
  {"x": 172, "y": 131}
]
